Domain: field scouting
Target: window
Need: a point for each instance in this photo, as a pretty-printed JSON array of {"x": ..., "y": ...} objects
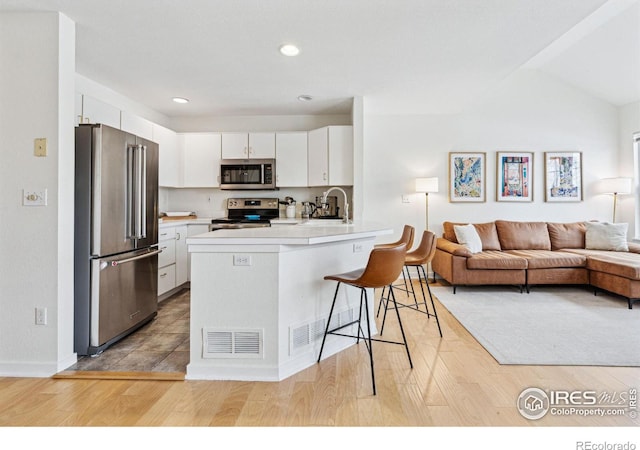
[{"x": 636, "y": 153}]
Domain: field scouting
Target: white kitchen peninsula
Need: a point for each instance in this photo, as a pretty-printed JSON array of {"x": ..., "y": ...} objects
[{"x": 259, "y": 303}]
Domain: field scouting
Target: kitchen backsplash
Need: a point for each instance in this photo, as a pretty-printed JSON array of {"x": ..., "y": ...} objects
[{"x": 208, "y": 202}]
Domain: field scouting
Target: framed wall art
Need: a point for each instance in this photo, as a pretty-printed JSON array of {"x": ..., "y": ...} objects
[
  {"x": 563, "y": 176},
  {"x": 467, "y": 177},
  {"x": 514, "y": 177}
]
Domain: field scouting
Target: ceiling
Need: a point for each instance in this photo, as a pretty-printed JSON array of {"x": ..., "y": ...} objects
[{"x": 402, "y": 56}]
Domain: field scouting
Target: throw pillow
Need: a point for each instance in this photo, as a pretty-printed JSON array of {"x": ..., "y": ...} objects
[
  {"x": 606, "y": 236},
  {"x": 468, "y": 236}
]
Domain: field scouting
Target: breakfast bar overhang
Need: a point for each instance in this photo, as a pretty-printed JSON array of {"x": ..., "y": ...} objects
[{"x": 259, "y": 303}]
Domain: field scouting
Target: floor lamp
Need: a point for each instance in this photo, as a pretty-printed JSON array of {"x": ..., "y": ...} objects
[
  {"x": 427, "y": 185},
  {"x": 615, "y": 186}
]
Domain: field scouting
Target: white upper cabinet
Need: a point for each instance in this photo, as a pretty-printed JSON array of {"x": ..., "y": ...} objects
[
  {"x": 248, "y": 145},
  {"x": 170, "y": 166},
  {"x": 318, "y": 157},
  {"x": 341, "y": 155},
  {"x": 97, "y": 111},
  {"x": 201, "y": 159},
  {"x": 291, "y": 159},
  {"x": 136, "y": 125},
  {"x": 330, "y": 160}
]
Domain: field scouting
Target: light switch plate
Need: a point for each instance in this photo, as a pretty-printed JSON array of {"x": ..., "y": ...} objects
[
  {"x": 40, "y": 146},
  {"x": 34, "y": 197}
]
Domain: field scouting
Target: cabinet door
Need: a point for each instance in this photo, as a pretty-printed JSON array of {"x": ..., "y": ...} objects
[
  {"x": 182, "y": 269},
  {"x": 235, "y": 145},
  {"x": 341, "y": 155},
  {"x": 291, "y": 159},
  {"x": 201, "y": 159},
  {"x": 318, "y": 157},
  {"x": 97, "y": 111},
  {"x": 170, "y": 165},
  {"x": 262, "y": 145}
]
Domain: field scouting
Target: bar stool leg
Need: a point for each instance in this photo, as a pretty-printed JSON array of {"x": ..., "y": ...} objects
[
  {"x": 424, "y": 297},
  {"x": 413, "y": 291},
  {"x": 326, "y": 330},
  {"x": 404, "y": 338},
  {"x": 362, "y": 292},
  {"x": 386, "y": 307},
  {"x": 433, "y": 305},
  {"x": 368, "y": 339},
  {"x": 382, "y": 300}
]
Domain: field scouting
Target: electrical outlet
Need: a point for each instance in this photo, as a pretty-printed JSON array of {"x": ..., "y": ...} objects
[
  {"x": 41, "y": 316},
  {"x": 406, "y": 198},
  {"x": 33, "y": 197},
  {"x": 357, "y": 247},
  {"x": 241, "y": 260}
]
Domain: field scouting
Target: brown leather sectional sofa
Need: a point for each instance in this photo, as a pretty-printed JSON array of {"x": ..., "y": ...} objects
[{"x": 536, "y": 253}]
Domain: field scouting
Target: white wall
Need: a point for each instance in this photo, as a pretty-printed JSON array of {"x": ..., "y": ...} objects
[
  {"x": 529, "y": 112},
  {"x": 37, "y": 51}
]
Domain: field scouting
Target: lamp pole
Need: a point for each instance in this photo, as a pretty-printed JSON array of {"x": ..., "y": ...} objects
[{"x": 426, "y": 210}]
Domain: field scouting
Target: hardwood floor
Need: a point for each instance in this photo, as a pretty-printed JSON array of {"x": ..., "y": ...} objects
[{"x": 454, "y": 382}]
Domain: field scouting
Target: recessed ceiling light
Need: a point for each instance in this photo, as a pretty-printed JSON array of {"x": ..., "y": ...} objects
[
  {"x": 180, "y": 100},
  {"x": 305, "y": 98},
  {"x": 289, "y": 50}
]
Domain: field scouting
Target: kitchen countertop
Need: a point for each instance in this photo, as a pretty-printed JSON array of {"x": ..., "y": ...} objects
[
  {"x": 173, "y": 223},
  {"x": 313, "y": 232}
]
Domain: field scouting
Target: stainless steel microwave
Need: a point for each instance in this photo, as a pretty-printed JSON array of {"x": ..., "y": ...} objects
[{"x": 248, "y": 174}]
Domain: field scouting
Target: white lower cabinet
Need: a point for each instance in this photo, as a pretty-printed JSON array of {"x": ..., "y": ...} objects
[
  {"x": 174, "y": 260},
  {"x": 182, "y": 255},
  {"x": 166, "y": 260}
]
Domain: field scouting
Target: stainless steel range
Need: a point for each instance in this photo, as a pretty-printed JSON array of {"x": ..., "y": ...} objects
[{"x": 247, "y": 213}]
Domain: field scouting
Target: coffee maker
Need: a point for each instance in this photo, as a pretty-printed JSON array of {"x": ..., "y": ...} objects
[{"x": 327, "y": 210}]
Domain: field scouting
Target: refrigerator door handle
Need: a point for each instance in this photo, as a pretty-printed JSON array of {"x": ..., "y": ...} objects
[
  {"x": 142, "y": 149},
  {"x": 137, "y": 191},
  {"x": 117, "y": 262},
  {"x": 131, "y": 188}
]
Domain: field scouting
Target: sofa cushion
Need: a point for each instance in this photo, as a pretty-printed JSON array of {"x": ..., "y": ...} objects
[
  {"x": 623, "y": 264},
  {"x": 468, "y": 236},
  {"x": 606, "y": 236},
  {"x": 523, "y": 235},
  {"x": 495, "y": 259},
  {"x": 487, "y": 232},
  {"x": 566, "y": 235},
  {"x": 547, "y": 259}
]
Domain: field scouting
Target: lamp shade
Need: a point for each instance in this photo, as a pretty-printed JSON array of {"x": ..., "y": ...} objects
[
  {"x": 615, "y": 186},
  {"x": 427, "y": 184}
]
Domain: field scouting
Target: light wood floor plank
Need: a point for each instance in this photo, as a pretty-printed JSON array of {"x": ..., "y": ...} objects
[{"x": 454, "y": 382}]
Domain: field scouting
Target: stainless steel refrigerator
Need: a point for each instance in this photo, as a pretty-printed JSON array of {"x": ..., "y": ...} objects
[{"x": 116, "y": 236}]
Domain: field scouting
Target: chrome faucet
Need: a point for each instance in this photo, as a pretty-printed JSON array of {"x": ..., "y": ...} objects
[{"x": 346, "y": 202}]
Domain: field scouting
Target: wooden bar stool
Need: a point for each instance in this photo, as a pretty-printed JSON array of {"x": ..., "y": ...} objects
[
  {"x": 418, "y": 258},
  {"x": 408, "y": 233},
  {"x": 383, "y": 268}
]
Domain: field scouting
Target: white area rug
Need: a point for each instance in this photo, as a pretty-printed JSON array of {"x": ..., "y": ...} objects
[{"x": 552, "y": 325}]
